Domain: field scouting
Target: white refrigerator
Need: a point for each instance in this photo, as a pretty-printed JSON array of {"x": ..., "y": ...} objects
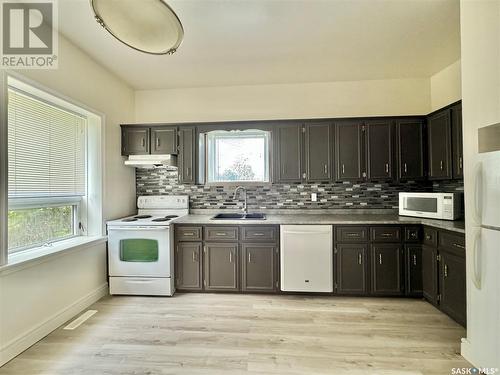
[{"x": 482, "y": 344}]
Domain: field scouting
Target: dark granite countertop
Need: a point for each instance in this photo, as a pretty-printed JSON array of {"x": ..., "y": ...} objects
[{"x": 307, "y": 218}]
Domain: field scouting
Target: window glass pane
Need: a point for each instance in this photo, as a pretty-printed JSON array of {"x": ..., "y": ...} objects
[
  {"x": 238, "y": 156},
  {"x": 35, "y": 226},
  {"x": 138, "y": 250}
]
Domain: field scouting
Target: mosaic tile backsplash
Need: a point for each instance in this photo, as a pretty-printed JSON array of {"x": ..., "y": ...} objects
[{"x": 338, "y": 195}]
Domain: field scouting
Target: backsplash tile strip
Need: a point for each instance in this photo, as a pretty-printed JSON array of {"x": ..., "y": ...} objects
[{"x": 338, "y": 195}]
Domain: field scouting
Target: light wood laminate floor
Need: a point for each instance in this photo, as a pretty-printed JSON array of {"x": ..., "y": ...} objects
[{"x": 251, "y": 334}]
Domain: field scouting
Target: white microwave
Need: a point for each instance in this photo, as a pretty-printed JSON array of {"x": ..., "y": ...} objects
[{"x": 444, "y": 206}]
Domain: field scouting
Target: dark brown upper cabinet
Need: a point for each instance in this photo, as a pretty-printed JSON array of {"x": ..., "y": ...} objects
[
  {"x": 288, "y": 153},
  {"x": 187, "y": 155},
  {"x": 439, "y": 145},
  {"x": 164, "y": 140},
  {"x": 135, "y": 140},
  {"x": 348, "y": 150},
  {"x": 318, "y": 151},
  {"x": 351, "y": 269},
  {"x": 457, "y": 141},
  {"x": 387, "y": 269},
  {"x": 410, "y": 149},
  {"x": 379, "y": 150}
]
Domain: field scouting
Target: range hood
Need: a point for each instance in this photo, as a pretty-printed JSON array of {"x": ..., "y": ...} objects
[{"x": 151, "y": 161}]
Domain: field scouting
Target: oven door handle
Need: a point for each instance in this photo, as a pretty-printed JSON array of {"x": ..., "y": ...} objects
[{"x": 138, "y": 228}]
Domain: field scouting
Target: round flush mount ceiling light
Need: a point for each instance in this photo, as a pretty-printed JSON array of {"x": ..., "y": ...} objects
[{"x": 149, "y": 26}]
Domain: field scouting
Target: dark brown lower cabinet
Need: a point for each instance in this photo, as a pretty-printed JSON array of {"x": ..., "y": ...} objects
[
  {"x": 453, "y": 286},
  {"x": 429, "y": 274},
  {"x": 413, "y": 257},
  {"x": 188, "y": 266},
  {"x": 387, "y": 269},
  {"x": 259, "y": 268},
  {"x": 221, "y": 266},
  {"x": 351, "y": 268}
]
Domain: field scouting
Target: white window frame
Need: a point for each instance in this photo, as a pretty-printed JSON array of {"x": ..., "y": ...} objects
[
  {"x": 90, "y": 209},
  {"x": 212, "y": 159}
]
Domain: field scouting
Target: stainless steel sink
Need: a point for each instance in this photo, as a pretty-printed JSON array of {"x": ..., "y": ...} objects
[{"x": 237, "y": 216}]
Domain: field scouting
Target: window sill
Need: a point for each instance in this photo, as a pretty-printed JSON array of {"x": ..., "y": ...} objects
[{"x": 32, "y": 257}]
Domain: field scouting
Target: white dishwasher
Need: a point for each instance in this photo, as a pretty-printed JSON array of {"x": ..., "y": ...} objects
[{"x": 306, "y": 261}]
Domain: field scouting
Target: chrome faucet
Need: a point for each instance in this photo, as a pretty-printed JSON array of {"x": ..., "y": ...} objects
[{"x": 245, "y": 205}]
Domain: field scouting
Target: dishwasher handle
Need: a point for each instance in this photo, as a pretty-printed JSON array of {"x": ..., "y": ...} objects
[{"x": 300, "y": 232}]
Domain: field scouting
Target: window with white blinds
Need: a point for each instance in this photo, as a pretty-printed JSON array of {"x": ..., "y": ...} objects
[{"x": 46, "y": 149}]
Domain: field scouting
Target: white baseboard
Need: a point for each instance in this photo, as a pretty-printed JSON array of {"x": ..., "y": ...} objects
[{"x": 24, "y": 341}]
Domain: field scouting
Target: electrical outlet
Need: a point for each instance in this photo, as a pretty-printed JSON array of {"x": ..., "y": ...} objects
[{"x": 314, "y": 197}]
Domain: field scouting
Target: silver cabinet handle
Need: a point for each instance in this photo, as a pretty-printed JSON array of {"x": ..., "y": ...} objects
[
  {"x": 386, "y": 234},
  {"x": 157, "y": 142},
  {"x": 249, "y": 257},
  {"x": 386, "y": 167},
  {"x": 445, "y": 270},
  {"x": 460, "y": 163},
  {"x": 343, "y": 168},
  {"x": 360, "y": 258},
  {"x": 414, "y": 259},
  {"x": 406, "y": 168},
  {"x": 188, "y": 234},
  {"x": 352, "y": 235},
  {"x": 441, "y": 165},
  {"x": 188, "y": 172},
  {"x": 230, "y": 257},
  {"x": 257, "y": 234},
  {"x": 221, "y": 234},
  {"x": 325, "y": 168},
  {"x": 380, "y": 258},
  {"x": 143, "y": 142},
  {"x": 194, "y": 256},
  {"x": 459, "y": 246}
]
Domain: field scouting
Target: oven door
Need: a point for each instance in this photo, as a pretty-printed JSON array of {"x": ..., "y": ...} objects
[
  {"x": 139, "y": 251},
  {"x": 430, "y": 206}
]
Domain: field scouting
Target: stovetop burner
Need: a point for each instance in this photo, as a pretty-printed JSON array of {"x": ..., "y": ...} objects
[
  {"x": 161, "y": 219},
  {"x": 171, "y": 216},
  {"x": 142, "y": 217},
  {"x": 129, "y": 219}
]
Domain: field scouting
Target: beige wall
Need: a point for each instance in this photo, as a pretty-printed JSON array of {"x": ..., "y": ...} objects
[
  {"x": 312, "y": 100},
  {"x": 446, "y": 86},
  {"x": 37, "y": 299}
]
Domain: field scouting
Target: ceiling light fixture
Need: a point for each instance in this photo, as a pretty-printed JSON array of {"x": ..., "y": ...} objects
[{"x": 149, "y": 26}]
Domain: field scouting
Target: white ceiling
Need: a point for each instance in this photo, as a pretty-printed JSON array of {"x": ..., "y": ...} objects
[{"x": 247, "y": 42}]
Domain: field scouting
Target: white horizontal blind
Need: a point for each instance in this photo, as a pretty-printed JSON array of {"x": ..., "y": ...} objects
[{"x": 47, "y": 147}]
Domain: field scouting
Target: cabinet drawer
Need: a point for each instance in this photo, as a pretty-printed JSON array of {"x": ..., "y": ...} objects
[
  {"x": 221, "y": 233},
  {"x": 453, "y": 242},
  {"x": 188, "y": 233},
  {"x": 351, "y": 234},
  {"x": 413, "y": 234},
  {"x": 258, "y": 233},
  {"x": 430, "y": 237},
  {"x": 385, "y": 234}
]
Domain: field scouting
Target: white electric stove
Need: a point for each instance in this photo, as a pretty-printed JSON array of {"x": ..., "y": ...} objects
[{"x": 140, "y": 247}]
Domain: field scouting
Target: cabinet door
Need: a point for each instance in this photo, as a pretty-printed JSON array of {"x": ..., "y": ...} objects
[
  {"x": 429, "y": 274},
  {"x": 187, "y": 156},
  {"x": 457, "y": 141},
  {"x": 452, "y": 286},
  {"x": 318, "y": 142},
  {"x": 413, "y": 270},
  {"x": 387, "y": 269},
  {"x": 258, "y": 265},
  {"x": 288, "y": 167},
  {"x": 351, "y": 268},
  {"x": 379, "y": 154},
  {"x": 221, "y": 266},
  {"x": 135, "y": 141},
  {"x": 348, "y": 146},
  {"x": 439, "y": 142},
  {"x": 410, "y": 149},
  {"x": 188, "y": 266},
  {"x": 164, "y": 140}
]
